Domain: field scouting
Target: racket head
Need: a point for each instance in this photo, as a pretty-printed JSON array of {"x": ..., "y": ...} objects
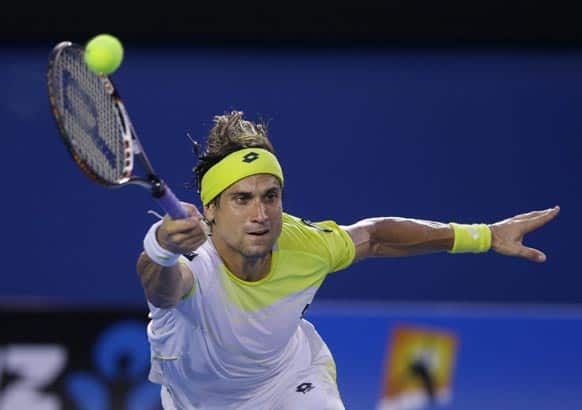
[{"x": 90, "y": 117}]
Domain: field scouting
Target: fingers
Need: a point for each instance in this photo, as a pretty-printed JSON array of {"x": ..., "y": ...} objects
[
  {"x": 513, "y": 249},
  {"x": 173, "y": 226},
  {"x": 183, "y": 225},
  {"x": 532, "y": 254},
  {"x": 534, "y": 214},
  {"x": 507, "y": 235},
  {"x": 183, "y": 235},
  {"x": 540, "y": 218},
  {"x": 186, "y": 243},
  {"x": 188, "y": 236},
  {"x": 191, "y": 209}
]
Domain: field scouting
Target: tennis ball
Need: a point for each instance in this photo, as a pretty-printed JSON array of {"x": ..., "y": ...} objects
[{"x": 103, "y": 54}]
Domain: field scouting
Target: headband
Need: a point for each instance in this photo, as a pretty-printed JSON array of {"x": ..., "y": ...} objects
[{"x": 236, "y": 166}]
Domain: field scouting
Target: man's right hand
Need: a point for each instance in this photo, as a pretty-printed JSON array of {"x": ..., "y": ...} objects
[{"x": 182, "y": 236}]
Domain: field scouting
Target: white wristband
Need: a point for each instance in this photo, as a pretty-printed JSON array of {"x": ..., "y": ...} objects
[{"x": 154, "y": 250}]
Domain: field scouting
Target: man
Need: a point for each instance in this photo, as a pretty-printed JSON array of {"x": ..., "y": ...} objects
[{"x": 227, "y": 328}]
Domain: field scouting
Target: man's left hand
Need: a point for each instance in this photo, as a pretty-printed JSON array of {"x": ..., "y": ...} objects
[{"x": 507, "y": 235}]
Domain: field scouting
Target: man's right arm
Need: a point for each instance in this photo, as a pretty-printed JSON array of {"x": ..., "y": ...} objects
[{"x": 164, "y": 287}]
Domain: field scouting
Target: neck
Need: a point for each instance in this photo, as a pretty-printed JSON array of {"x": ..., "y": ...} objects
[{"x": 250, "y": 269}]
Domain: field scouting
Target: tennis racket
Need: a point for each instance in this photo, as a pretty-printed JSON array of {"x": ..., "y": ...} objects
[{"x": 96, "y": 128}]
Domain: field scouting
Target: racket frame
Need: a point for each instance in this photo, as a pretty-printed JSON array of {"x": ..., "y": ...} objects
[{"x": 131, "y": 143}]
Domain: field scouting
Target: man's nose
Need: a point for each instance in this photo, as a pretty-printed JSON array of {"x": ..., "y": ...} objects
[{"x": 260, "y": 212}]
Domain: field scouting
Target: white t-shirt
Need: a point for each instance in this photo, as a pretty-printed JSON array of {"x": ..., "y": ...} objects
[{"x": 233, "y": 341}]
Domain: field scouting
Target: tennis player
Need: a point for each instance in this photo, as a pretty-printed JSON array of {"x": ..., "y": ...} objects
[{"x": 227, "y": 328}]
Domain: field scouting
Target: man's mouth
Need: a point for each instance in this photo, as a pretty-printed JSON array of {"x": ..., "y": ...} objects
[{"x": 259, "y": 233}]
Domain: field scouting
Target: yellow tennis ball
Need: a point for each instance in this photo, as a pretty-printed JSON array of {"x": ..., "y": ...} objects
[{"x": 103, "y": 54}]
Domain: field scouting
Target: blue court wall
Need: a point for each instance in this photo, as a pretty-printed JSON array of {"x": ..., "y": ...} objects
[
  {"x": 447, "y": 135},
  {"x": 478, "y": 357},
  {"x": 503, "y": 358}
]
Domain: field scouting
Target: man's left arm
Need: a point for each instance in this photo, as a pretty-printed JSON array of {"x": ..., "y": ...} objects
[{"x": 393, "y": 236}]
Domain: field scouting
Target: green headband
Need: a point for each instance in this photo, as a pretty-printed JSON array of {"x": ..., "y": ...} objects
[{"x": 236, "y": 166}]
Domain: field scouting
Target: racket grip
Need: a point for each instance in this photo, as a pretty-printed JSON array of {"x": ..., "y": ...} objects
[{"x": 172, "y": 205}]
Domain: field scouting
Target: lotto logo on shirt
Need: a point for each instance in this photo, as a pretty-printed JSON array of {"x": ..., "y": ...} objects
[{"x": 418, "y": 368}]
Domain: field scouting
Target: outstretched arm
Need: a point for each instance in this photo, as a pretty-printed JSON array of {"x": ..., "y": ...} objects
[{"x": 404, "y": 237}]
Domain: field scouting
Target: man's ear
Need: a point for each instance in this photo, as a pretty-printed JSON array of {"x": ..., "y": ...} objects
[{"x": 209, "y": 212}]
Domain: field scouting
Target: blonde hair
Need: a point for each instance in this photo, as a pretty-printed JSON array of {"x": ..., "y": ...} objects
[{"x": 230, "y": 133}]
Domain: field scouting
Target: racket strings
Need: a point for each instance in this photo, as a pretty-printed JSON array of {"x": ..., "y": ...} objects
[{"x": 90, "y": 118}]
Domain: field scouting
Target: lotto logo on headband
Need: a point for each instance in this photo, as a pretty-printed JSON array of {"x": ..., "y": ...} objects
[
  {"x": 250, "y": 157},
  {"x": 229, "y": 170}
]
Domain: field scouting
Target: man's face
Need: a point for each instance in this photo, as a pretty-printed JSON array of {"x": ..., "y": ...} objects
[{"x": 249, "y": 216}]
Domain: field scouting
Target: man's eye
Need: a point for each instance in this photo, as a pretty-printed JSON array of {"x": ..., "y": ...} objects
[{"x": 241, "y": 200}]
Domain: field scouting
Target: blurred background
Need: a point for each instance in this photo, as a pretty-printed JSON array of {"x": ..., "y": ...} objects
[{"x": 447, "y": 111}]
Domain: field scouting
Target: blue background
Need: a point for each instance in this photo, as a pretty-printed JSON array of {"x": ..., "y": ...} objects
[
  {"x": 448, "y": 135},
  {"x": 507, "y": 358}
]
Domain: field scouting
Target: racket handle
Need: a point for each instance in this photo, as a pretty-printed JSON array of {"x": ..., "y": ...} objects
[{"x": 172, "y": 205}]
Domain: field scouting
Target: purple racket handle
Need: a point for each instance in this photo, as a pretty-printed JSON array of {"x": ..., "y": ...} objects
[{"x": 172, "y": 205}]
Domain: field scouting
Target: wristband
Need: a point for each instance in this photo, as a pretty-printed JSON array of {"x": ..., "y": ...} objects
[
  {"x": 155, "y": 251},
  {"x": 474, "y": 238}
]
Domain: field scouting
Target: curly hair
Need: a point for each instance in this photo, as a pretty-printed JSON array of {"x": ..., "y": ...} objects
[{"x": 230, "y": 133}]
